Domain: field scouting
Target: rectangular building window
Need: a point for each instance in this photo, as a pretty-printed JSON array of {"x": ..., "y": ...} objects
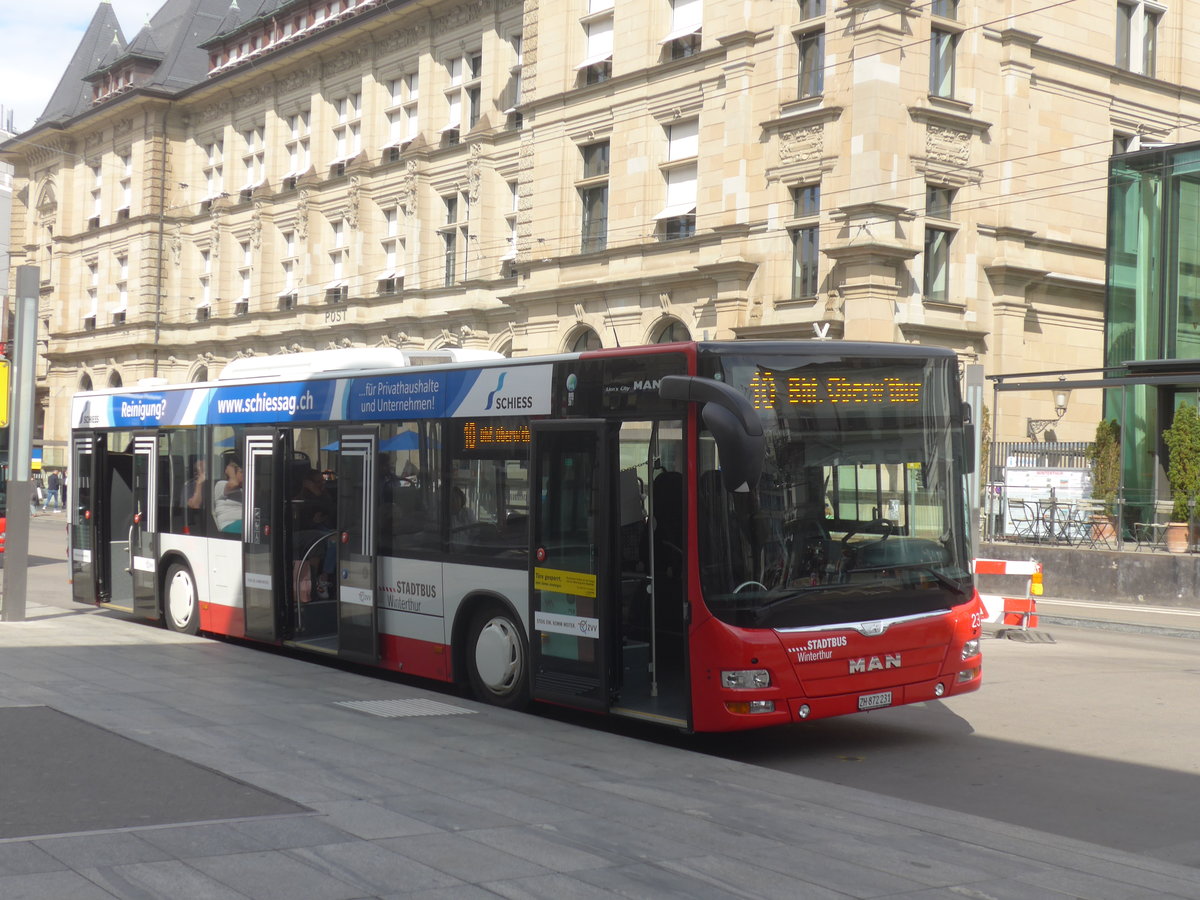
[
  {"x": 515, "y": 91},
  {"x": 93, "y": 295},
  {"x": 806, "y": 201},
  {"x": 297, "y": 147},
  {"x": 391, "y": 277},
  {"x": 510, "y": 219},
  {"x": 126, "y": 161},
  {"x": 402, "y": 110},
  {"x": 347, "y": 131},
  {"x": 97, "y": 196},
  {"x": 593, "y": 196},
  {"x": 253, "y": 159},
  {"x": 806, "y": 204},
  {"x": 214, "y": 169},
  {"x": 452, "y": 233},
  {"x": 206, "y": 278},
  {"x": 336, "y": 289},
  {"x": 805, "y": 261},
  {"x": 938, "y": 200},
  {"x": 811, "y": 9},
  {"x": 244, "y": 270},
  {"x": 687, "y": 18},
  {"x": 1137, "y": 27},
  {"x": 121, "y": 307},
  {"x": 944, "y": 9},
  {"x": 598, "y": 28},
  {"x": 463, "y": 95},
  {"x": 937, "y": 264},
  {"x": 942, "y": 47},
  {"x": 811, "y": 47},
  {"x": 287, "y": 269},
  {"x": 677, "y": 219}
]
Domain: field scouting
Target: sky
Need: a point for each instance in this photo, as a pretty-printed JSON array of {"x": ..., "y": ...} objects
[{"x": 39, "y": 39}]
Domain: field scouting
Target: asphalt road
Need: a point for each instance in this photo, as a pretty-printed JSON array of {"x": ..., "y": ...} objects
[{"x": 1095, "y": 736}]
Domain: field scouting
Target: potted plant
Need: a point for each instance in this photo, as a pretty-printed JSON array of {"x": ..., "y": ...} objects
[
  {"x": 1183, "y": 471},
  {"x": 1104, "y": 457}
]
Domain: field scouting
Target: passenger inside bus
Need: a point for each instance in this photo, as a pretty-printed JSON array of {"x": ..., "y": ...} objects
[
  {"x": 313, "y": 517},
  {"x": 667, "y": 496},
  {"x": 227, "y": 497},
  {"x": 193, "y": 496},
  {"x": 460, "y": 515}
]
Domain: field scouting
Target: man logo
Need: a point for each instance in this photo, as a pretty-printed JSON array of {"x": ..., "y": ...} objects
[{"x": 874, "y": 663}]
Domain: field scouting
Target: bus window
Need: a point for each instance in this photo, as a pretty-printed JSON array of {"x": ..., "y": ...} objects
[
  {"x": 184, "y": 485},
  {"x": 226, "y": 473},
  {"x": 409, "y": 500},
  {"x": 489, "y": 488}
]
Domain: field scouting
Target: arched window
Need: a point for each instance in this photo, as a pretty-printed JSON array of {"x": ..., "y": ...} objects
[
  {"x": 114, "y": 379},
  {"x": 85, "y": 383},
  {"x": 672, "y": 332},
  {"x": 505, "y": 349},
  {"x": 585, "y": 340},
  {"x": 201, "y": 374}
]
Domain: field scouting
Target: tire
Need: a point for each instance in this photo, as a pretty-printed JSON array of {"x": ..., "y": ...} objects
[
  {"x": 181, "y": 608},
  {"x": 497, "y": 658}
]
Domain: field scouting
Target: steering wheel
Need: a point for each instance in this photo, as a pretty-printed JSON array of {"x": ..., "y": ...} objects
[
  {"x": 887, "y": 525},
  {"x": 746, "y": 584},
  {"x": 849, "y": 558}
]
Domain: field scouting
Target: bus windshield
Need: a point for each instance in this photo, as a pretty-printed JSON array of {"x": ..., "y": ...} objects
[{"x": 861, "y": 508}]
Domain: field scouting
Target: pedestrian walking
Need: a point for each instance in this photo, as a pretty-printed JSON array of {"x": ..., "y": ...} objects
[
  {"x": 52, "y": 485},
  {"x": 62, "y": 489}
]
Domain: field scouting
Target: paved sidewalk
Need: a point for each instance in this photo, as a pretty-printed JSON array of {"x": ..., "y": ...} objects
[{"x": 163, "y": 766}]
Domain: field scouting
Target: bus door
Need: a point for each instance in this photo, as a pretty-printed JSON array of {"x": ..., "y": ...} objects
[
  {"x": 262, "y": 536},
  {"x": 358, "y": 637},
  {"x": 85, "y": 585},
  {"x": 143, "y": 528},
  {"x": 571, "y": 611}
]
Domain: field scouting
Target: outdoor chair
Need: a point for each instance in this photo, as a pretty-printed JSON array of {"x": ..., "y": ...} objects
[
  {"x": 1153, "y": 534},
  {"x": 1022, "y": 521}
]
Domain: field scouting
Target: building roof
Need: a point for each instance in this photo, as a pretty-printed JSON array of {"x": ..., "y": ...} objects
[
  {"x": 173, "y": 35},
  {"x": 74, "y": 94}
]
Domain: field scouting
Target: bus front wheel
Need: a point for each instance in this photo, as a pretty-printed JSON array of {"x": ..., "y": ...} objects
[
  {"x": 179, "y": 597},
  {"x": 497, "y": 660}
]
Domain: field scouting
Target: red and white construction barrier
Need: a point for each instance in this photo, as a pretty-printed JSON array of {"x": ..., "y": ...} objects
[{"x": 1008, "y": 610}]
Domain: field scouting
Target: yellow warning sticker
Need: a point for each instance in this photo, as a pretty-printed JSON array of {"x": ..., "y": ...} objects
[{"x": 579, "y": 584}]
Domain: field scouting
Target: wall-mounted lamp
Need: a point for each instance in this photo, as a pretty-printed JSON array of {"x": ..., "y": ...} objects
[{"x": 1062, "y": 397}]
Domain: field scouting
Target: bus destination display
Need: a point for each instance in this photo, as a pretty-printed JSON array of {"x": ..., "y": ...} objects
[{"x": 769, "y": 390}]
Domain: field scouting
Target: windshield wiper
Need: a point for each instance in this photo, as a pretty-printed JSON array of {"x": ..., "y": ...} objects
[{"x": 944, "y": 580}]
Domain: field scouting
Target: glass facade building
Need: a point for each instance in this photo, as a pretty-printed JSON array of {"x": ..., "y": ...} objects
[{"x": 1152, "y": 315}]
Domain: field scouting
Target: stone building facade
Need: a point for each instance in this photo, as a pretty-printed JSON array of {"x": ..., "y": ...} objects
[{"x": 532, "y": 177}]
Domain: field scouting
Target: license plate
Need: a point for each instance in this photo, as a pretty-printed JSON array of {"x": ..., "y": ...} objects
[{"x": 875, "y": 701}]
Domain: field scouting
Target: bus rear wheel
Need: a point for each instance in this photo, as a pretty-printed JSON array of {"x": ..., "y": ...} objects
[
  {"x": 181, "y": 608},
  {"x": 497, "y": 659}
]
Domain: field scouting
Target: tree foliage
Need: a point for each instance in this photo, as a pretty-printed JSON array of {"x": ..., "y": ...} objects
[
  {"x": 1183, "y": 459},
  {"x": 1105, "y": 458}
]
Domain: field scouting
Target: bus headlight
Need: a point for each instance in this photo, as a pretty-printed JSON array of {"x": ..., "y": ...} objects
[
  {"x": 745, "y": 679},
  {"x": 749, "y": 707},
  {"x": 970, "y": 648}
]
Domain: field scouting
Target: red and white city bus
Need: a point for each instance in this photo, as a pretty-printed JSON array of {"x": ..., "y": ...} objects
[{"x": 715, "y": 535}]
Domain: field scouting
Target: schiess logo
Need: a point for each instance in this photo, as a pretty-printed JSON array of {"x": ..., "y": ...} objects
[{"x": 506, "y": 404}]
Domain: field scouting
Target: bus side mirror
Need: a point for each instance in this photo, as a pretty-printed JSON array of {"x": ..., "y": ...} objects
[
  {"x": 741, "y": 453},
  {"x": 733, "y": 422}
]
